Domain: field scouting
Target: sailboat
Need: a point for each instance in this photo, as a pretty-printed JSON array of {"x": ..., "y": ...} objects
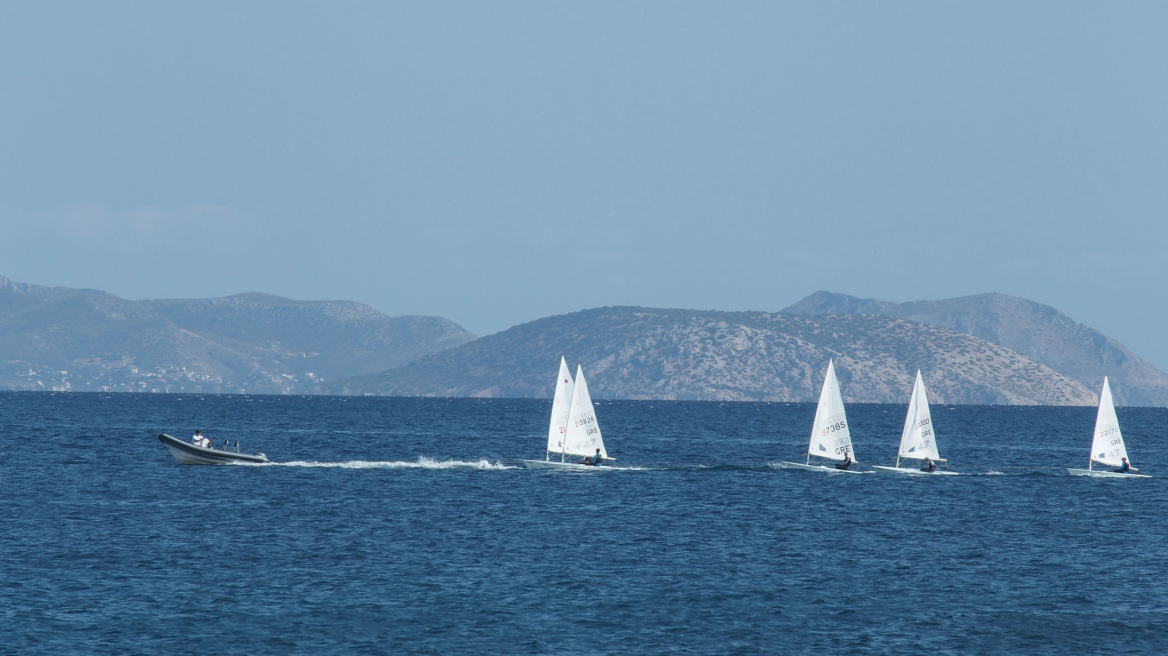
[
  {"x": 576, "y": 432},
  {"x": 917, "y": 440},
  {"x": 561, "y": 408},
  {"x": 830, "y": 437},
  {"x": 1107, "y": 447}
]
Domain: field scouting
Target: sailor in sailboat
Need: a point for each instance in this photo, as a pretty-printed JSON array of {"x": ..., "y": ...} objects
[
  {"x": 917, "y": 439},
  {"x": 831, "y": 439},
  {"x": 1107, "y": 447},
  {"x": 573, "y": 430}
]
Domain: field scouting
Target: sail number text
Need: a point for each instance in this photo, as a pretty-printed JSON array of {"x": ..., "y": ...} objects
[
  {"x": 831, "y": 428},
  {"x": 1108, "y": 432},
  {"x": 925, "y": 432},
  {"x": 585, "y": 421}
]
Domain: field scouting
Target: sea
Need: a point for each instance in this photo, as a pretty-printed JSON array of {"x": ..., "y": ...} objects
[{"x": 410, "y": 526}]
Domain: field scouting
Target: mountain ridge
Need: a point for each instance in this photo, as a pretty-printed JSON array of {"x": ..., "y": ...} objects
[
  {"x": 987, "y": 348},
  {"x": 1035, "y": 330},
  {"x": 651, "y": 353},
  {"x": 76, "y": 340}
]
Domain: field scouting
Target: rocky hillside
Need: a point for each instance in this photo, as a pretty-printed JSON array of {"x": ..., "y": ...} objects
[
  {"x": 1036, "y": 331},
  {"x": 79, "y": 340},
  {"x": 640, "y": 353}
]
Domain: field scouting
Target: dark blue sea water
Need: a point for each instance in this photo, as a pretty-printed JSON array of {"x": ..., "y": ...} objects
[{"x": 406, "y": 526}]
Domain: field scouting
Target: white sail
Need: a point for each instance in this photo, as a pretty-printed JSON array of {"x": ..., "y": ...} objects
[
  {"x": 918, "y": 440},
  {"x": 830, "y": 437},
  {"x": 1107, "y": 446},
  {"x": 561, "y": 408},
  {"x": 583, "y": 435}
]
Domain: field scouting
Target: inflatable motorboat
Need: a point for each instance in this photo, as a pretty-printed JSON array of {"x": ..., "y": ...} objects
[{"x": 190, "y": 454}]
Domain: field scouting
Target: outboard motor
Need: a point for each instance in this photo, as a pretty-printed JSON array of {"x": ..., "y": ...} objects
[{"x": 237, "y": 446}]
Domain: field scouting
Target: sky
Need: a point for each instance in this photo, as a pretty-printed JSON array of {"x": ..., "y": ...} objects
[{"x": 494, "y": 163}]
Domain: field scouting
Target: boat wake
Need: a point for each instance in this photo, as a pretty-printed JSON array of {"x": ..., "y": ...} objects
[{"x": 420, "y": 463}]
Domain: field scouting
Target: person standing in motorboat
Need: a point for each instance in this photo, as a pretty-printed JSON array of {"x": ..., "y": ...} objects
[
  {"x": 201, "y": 440},
  {"x": 929, "y": 466},
  {"x": 1125, "y": 469},
  {"x": 846, "y": 463}
]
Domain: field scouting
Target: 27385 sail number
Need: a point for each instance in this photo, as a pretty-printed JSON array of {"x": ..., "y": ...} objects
[{"x": 831, "y": 428}]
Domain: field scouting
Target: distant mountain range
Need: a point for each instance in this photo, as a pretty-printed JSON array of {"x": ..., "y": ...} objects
[
  {"x": 990, "y": 348},
  {"x": 87, "y": 340},
  {"x": 646, "y": 353},
  {"x": 1036, "y": 331}
]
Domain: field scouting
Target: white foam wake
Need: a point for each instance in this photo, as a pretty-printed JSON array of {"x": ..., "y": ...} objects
[{"x": 421, "y": 463}]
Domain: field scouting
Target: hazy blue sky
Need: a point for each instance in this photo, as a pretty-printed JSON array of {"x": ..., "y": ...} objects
[{"x": 495, "y": 163}]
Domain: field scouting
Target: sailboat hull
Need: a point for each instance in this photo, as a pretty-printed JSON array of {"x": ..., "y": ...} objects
[
  {"x": 1103, "y": 474},
  {"x": 555, "y": 464},
  {"x": 914, "y": 472},
  {"x": 815, "y": 468}
]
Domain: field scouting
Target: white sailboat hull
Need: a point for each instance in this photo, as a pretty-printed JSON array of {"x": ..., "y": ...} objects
[
  {"x": 815, "y": 468},
  {"x": 914, "y": 472},
  {"x": 1095, "y": 473},
  {"x": 556, "y": 464}
]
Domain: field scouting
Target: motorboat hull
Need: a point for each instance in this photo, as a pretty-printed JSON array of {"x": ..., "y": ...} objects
[
  {"x": 1095, "y": 473},
  {"x": 189, "y": 454},
  {"x": 914, "y": 472},
  {"x": 815, "y": 468}
]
